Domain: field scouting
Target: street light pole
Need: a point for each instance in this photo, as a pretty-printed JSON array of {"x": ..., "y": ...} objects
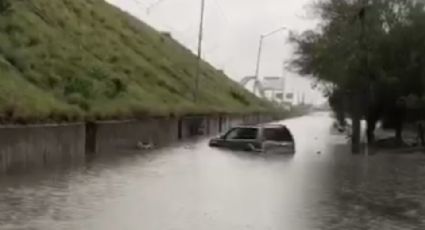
[
  {"x": 199, "y": 58},
  {"x": 259, "y": 55}
]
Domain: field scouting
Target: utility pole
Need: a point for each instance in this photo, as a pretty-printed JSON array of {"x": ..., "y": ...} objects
[
  {"x": 257, "y": 68},
  {"x": 370, "y": 116},
  {"x": 199, "y": 59},
  {"x": 198, "y": 71},
  {"x": 359, "y": 87}
]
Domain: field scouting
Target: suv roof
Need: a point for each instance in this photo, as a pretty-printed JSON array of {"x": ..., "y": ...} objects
[{"x": 262, "y": 126}]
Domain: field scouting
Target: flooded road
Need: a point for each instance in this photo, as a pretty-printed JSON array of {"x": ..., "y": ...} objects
[{"x": 194, "y": 187}]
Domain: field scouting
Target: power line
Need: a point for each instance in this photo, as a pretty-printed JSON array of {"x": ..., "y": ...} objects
[
  {"x": 200, "y": 43},
  {"x": 153, "y": 5},
  {"x": 140, "y": 4},
  {"x": 146, "y": 6},
  {"x": 221, "y": 11}
]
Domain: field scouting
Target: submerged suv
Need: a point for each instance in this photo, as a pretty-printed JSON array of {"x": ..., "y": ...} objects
[{"x": 262, "y": 138}]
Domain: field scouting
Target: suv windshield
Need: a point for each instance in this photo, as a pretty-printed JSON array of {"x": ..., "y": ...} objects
[
  {"x": 242, "y": 134},
  {"x": 277, "y": 134}
]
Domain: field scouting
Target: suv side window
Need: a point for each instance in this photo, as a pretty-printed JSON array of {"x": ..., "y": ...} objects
[
  {"x": 277, "y": 134},
  {"x": 242, "y": 134}
]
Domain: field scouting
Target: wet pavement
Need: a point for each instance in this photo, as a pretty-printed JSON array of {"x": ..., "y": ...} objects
[{"x": 192, "y": 186}]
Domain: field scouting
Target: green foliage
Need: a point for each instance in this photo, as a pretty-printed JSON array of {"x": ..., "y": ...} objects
[
  {"x": 4, "y": 6},
  {"x": 237, "y": 96},
  {"x": 76, "y": 59},
  {"x": 373, "y": 48},
  {"x": 79, "y": 86}
]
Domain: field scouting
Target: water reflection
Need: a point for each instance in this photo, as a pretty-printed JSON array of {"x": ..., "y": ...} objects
[{"x": 191, "y": 186}]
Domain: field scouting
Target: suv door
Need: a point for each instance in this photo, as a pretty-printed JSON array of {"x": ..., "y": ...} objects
[{"x": 242, "y": 139}]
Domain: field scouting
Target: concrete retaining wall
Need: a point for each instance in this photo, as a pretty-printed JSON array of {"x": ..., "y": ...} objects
[
  {"x": 127, "y": 135},
  {"x": 213, "y": 127},
  {"x": 192, "y": 126},
  {"x": 116, "y": 136},
  {"x": 235, "y": 121},
  {"x": 38, "y": 146},
  {"x": 119, "y": 136}
]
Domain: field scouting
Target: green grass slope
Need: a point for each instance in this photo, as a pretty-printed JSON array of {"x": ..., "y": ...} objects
[{"x": 85, "y": 59}]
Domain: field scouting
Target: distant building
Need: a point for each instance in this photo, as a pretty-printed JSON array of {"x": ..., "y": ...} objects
[{"x": 274, "y": 88}]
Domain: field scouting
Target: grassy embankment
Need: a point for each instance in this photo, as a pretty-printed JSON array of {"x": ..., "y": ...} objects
[{"x": 67, "y": 60}]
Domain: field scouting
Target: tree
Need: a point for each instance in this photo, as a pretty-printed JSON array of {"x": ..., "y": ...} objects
[
  {"x": 4, "y": 6},
  {"x": 361, "y": 48},
  {"x": 336, "y": 53}
]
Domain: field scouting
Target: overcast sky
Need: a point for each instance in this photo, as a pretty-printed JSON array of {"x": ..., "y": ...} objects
[{"x": 232, "y": 31}]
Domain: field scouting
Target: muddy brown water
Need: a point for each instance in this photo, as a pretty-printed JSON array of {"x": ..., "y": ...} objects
[{"x": 192, "y": 186}]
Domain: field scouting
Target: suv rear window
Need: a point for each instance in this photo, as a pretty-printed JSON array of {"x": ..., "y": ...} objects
[
  {"x": 277, "y": 134},
  {"x": 242, "y": 134}
]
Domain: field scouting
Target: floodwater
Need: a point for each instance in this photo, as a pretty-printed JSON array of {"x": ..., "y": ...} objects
[{"x": 194, "y": 187}]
